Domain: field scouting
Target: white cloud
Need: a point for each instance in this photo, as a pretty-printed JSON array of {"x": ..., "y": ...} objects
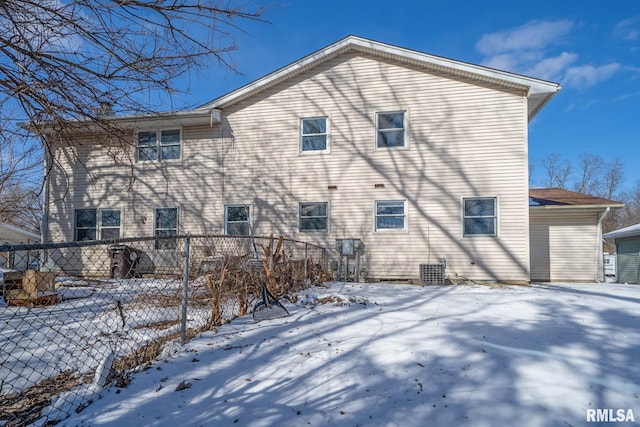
[
  {"x": 554, "y": 67},
  {"x": 588, "y": 75},
  {"x": 628, "y": 29},
  {"x": 502, "y": 62},
  {"x": 529, "y": 49},
  {"x": 533, "y": 35}
]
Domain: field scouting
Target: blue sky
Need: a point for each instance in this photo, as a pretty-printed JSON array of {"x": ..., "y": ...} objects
[{"x": 592, "y": 48}]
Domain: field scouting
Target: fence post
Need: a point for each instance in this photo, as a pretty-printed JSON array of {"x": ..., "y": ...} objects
[
  {"x": 185, "y": 289},
  {"x": 305, "y": 262}
]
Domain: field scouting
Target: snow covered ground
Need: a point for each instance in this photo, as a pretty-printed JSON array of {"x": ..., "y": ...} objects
[
  {"x": 85, "y": 327},
  {"x": 396, "y": 355}
]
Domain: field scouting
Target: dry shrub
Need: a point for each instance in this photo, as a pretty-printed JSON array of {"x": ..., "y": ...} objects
[{"x": 25, "y": 407}]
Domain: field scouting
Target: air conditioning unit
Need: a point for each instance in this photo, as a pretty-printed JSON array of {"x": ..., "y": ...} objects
[{"x": 432, "y": 274}]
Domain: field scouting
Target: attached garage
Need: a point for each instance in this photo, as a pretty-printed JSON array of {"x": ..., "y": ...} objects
[
  {"x": 627, "y": 242},
  {"x": 565, "y": 235}
]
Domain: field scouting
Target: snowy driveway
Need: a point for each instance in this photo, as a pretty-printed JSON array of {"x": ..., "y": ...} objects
[{"x": 396, "y": 355}]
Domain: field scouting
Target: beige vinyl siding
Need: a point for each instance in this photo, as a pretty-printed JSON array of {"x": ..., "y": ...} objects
[
  {"x": 463, "y": 140},
  {"x": 563, "y": 243}
]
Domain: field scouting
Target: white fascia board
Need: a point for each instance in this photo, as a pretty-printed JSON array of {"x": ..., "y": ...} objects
[
  {"x": 205, "y": 117},
  {"x": 534, "y": 85},
  {"x": 277, "y": 75},
  {"x": 595, "y": 208},
  {"x": 543, "y": 89}
]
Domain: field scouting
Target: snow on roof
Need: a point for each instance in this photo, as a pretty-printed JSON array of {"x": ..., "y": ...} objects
[
  {"x": 632, "y": 230},
  {"x": 19, "y": 230}
]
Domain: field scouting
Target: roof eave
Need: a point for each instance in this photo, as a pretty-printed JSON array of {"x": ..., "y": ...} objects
[
  {"x": 203, "y": 117},
  {"x": 531, "y": 86},
  {"x": 535, "y": 107},
  {"x": 631, "y": 231},
  {"x": 20, "y": 230},
  {"x": 599, "y": 207}
]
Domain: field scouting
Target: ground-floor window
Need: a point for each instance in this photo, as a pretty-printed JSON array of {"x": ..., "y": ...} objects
[
  {"x": 391, "y": 215},
  {"x": 313, "y": 216},
  {"x": 236, "y": 220},
  {"x": 98, "y": 224},
  {"x": 480, "y": 216},
  {"x": 166, "y": 225}
]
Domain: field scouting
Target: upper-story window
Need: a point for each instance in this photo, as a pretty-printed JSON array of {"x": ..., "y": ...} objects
[
  {"x": 97, "y": 224},
  {"x": 314, "y": 136},
  {"x": 161, "y": 144},
  {"x": 480, "y": 216},
  {"x": 390, "y": 129}
]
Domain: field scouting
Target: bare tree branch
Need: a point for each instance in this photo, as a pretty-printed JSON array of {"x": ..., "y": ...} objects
[
  {"x": 590, "y": 167},
  {"x": 613, "y": 179},
  {"x": 557, "y": 171},
  {"x": 61, "y": 61}
]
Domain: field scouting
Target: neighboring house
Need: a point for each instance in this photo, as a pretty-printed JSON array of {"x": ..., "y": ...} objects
[
  {"x": 13, "y": 235},
  {"x": 422, "y": 158},
  {"x": 566, "y": 235},
  {"x": 627, "y": 242}
]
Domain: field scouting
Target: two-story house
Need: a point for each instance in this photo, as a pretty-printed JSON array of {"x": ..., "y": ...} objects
[{"x": 422, "y": 158}]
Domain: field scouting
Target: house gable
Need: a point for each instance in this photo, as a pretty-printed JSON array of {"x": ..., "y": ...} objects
[{"x": 538, "y": 92}]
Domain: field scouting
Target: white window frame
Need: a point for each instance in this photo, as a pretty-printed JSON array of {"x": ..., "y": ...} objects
[
  {"x": 102, "y": 227},
  {"x": 99, "y": 227},
  {"x": 226, "y": 217},
  {"x": 326, "y": 217},
  {"x": 157, "y": 244},
  {"x": 159, "y": 144},
  {"x": 495, "y": 216},
  {"x": 405, "y": 216},
  {"x": 405, "y": 141},
  {"x": 325, "y": 134}
]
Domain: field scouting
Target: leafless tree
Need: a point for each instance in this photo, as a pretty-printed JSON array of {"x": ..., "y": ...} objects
[
  {"x": 599, "y": 178},
  {"x": 63, "y": 60},
  {"x": 631, "y": 213},
  {"x": 66, "y": 64},
  {"x": 20, "y": 174},
  {"x": 612, "y": 180},
  {"x": 593, "y": 175},
  {"x": 557, "y": 170},
  {"x": 589, "y": 171}
]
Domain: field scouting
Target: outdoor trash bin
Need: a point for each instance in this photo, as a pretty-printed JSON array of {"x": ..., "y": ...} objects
[{"x": 124, "y": 261}]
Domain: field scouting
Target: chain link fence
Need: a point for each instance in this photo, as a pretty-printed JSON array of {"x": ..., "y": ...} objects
[{"x": 78, "y": 316}]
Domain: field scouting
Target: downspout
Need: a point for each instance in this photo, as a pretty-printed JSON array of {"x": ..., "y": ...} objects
[{"x": 599, "y": 244}]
